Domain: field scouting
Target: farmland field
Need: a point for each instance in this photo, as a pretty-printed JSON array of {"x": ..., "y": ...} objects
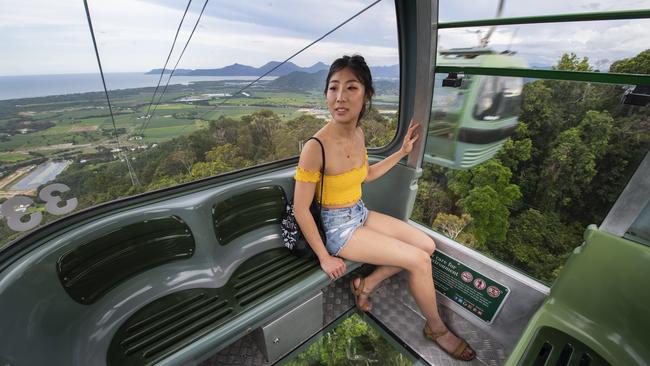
[{"x": 79, "y": 127}]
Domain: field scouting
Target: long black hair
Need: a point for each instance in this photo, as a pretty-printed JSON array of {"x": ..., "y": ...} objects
[{"x": 357, "y": 64}]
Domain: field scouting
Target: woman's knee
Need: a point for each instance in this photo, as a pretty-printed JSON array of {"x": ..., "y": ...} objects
[
  {"x": 420, "y": 262},
  {"x": 431, "y": 246}
]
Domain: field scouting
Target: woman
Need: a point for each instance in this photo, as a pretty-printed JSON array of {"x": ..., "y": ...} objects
[{"x": 353, "y": 232}]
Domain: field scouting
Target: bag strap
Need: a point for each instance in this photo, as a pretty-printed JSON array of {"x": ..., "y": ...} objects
[{"x": 322, "y": 175}]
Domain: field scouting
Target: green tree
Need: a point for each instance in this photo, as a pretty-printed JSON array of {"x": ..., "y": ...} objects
[
  {"x": 165, "y": 182},
  {"x": 378, "y": 130},
  {"x": 487, "y": 195},
  {"x": 432, "y": 199},
  {"x": 570, "y": 166},
  {"x": 542, "y": 118},
  {"x": 539, "y": 243},
  {"x": 595, "y": 129},
  {"x": 224, "y": 130},
  {"x": 639, "y": 64},
  {"x": 571, "y": 62},
  {"x": 516, "y": 149},
  {"x": 352, "y": 342},
  {"x": 627, "y": 145},
  {"x": 455, "y": 228},
  {"x": 293, "y": 133},
  {"x": 219, "y": 160},
  {"x": 256, "y": 135}
]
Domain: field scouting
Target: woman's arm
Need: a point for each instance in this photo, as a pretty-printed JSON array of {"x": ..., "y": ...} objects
[
  {"x": 311, "y": 160},
  {"x": 377, "y": 170},
  {"x": 302, "y": 197}
]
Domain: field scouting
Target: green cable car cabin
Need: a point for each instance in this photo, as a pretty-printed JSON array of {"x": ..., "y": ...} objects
[
  {"x": 474, "y": 115},
  {"x": 143, "y": 250}
]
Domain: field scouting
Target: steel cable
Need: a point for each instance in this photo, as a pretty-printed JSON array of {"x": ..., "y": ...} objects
[
  {"x": 162, "y": 72},
  {"x": 134, "y": 178}
]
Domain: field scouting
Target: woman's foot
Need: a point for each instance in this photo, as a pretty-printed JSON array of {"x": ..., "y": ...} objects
[
  {"x": 456, "y": 347},
  {"x": 361, "y": 294}
]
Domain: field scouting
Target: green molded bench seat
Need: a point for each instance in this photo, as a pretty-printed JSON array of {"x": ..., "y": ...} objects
[
  {"x": 247, "y": 211},
  {"x": 554, "y": 347},
  {"x": 174, "y": 321},
  {"x": 89, "y": 271}
]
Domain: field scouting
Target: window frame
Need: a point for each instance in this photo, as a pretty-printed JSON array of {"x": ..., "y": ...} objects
[{"x": 33, "y": 238}]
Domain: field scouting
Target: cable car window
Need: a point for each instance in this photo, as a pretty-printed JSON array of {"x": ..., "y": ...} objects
[
  {"x": 446, "y": 109},
  {"x": 540, "y": 46},
  {"x": 460, "y": 10},
  {"x": 499, "y": 98},
  {"x": 523, "y": 189},
  {"x": 196, "y": 89}
]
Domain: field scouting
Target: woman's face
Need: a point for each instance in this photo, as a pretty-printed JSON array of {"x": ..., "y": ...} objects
[{"x": 345, "y": 96}]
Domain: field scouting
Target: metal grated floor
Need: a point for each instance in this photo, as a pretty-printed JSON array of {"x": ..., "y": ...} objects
[{"x": 395, "y": 308}]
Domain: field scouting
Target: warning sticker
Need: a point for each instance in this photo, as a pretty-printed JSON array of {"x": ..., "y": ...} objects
[{"x": 472, "y": 290}]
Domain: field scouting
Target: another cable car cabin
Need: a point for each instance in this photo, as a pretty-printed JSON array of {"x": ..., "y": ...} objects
[
  {"x": 195, "y": 273},
  {"x": 473, "y": 114}
]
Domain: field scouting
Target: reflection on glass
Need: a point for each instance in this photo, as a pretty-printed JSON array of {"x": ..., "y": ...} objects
[
  {"x": 352, "y": 340},
  {"x": 605, "y": 43},
  {"x": 470, "y": 122},
  {"x": 55, "y": 125},
  {"x": 573, "y": 149},
  {"x": 457, "y": 10},
  {"x": 640, "y": 229},
  {"x": 499, "y": 98}
]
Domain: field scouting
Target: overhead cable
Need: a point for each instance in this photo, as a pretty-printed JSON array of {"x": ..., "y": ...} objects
[
  {"x": 146, "y": 124},
  {"x": 134, "y": 178},
  {"x": 299, "y": 52},
  {"x": 162, "y": 72}
]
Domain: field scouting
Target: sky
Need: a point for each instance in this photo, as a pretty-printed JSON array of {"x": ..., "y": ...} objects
[{"x": 52, "y": 37}]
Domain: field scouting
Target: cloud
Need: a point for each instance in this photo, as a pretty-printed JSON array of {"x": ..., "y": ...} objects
[
  {"x": 44, "y": 37},
  {"x": 602, "y": 41},
  {"x": 456, "y": 10},
  {"x": 136, "y": 35}
]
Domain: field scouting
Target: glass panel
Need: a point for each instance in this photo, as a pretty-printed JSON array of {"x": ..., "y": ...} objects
[
  {"x": 499, "y": 98},
  {"x": 605, "y": 46},
  {"x": 351, "y": 340},
  {"x": 55, "y": 125},
  {"x": 524, "y": 189},
  {"x": 459, "y": 10},
  {"x": 640, "y": 229}
]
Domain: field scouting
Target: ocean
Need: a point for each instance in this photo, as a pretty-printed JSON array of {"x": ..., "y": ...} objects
[{"x": 29, "y": 86}]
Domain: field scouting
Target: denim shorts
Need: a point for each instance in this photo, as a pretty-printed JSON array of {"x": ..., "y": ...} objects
[{"x": 340, "y": 224}]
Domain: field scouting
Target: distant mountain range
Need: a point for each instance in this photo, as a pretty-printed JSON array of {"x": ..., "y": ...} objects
[
  {"x": 287, "y": 68},
  {"x": 315, "y": 81}
]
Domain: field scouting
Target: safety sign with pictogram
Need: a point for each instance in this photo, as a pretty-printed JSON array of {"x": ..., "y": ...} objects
[{"x": 470, "y": 289}]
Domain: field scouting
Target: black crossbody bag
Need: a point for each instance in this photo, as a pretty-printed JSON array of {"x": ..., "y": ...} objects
[{"x": 292, "y": 237}]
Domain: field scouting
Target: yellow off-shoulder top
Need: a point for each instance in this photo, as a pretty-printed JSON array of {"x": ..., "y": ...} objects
[{"x": 339, "y": 189}]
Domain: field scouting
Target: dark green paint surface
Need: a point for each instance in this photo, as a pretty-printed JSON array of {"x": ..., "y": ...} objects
[
  {"x": 94, "y": 268},
  {"x": 248, "y": 211},
  {"x": 174, "y": 321},
  {"x": 602, "y": 299},
  {"x": 580, "y": 17},
  {"x": 587, "y": 76},
  {"x": 553, "y": 347}
]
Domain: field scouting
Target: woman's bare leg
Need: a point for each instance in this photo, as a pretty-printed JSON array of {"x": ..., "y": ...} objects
[
  {"x": 397, "y": 229},
  {"x": 369, "y": 246}
]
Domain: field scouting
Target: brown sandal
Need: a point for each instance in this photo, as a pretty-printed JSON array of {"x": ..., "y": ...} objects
[
  {"x": 358, "y": 291},
  {"x": 459, "y": 352}
]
